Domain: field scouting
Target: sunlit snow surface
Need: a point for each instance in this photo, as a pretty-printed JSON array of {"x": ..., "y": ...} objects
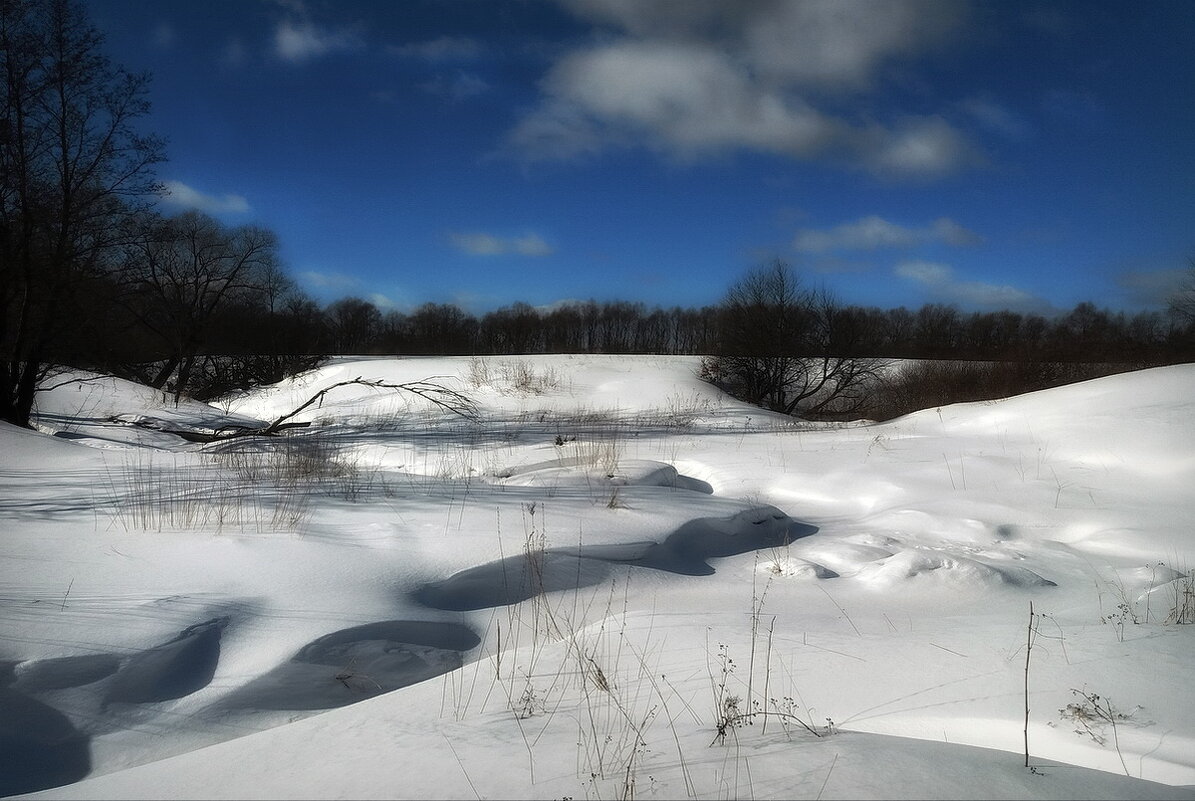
[{"x": 561, "y": 597}]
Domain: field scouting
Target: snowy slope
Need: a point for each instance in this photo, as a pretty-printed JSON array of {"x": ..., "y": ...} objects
[{"x": 886, "y": 641}]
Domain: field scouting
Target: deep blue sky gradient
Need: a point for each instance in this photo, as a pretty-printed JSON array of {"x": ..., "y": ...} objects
[{"x": 385, "y": 143}]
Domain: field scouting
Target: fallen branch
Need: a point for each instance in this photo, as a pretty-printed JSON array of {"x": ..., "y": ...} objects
[{"x": 446, "y": 399}]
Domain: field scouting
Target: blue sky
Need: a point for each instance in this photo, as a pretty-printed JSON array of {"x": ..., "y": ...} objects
[{"x": 991, "y": 155}]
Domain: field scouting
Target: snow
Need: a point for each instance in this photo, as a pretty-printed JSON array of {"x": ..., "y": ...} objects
[{"x": 208, "y": 603}]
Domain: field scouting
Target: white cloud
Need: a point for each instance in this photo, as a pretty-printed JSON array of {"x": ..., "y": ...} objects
[
  {"x": 478, "y": 244},
  {"x": 947, "y": 230},
  {"x": 335, "y": 281},
  {"x": 995, "y": 117},
  {"x": 812, "y": 42},
  {"x": 381, "y": 301},
  {"x": 557, "y": 131},
  {"x": 916, "y": 147},
  {"x": 839, "y": 42},
  {"x": 875, "y": 233},
  {"x": 925, "y": 272},
  {"x": 532, "y": 245},
  {"x": 701, "y": 77},
  {"x": 445, "y": 48},
  {"x": 943, "y": 286},
  {"x": 301, "y": 40},
  {"x": 481, "y": 244},
  {"x": 868, "y": 233},
  {"x": 691, "y": 97},
  {"x": 181, "y": 196}
]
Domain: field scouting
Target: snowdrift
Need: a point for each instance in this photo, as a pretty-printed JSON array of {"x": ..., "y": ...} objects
[{"x": 614, "y": 580}]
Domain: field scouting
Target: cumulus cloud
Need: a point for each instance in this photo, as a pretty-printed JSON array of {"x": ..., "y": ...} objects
[
  {"x": 699, "y": 77},
  {"x": 827, "y": 43},
  {"x": 691, "y": 97},
  {"x": 876, "y": 233},
  {"x": 181, "y": 196},
  {"x": 939, "y": 279},
  {"x": 297, "y": 41},
  {"x": 482, "y": 244}
]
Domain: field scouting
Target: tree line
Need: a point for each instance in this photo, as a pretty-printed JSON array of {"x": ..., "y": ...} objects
[
  {"x": 199, "y": 309},
  {"x": 353, "y": 325},
  {"x": 93, "y": 275}
]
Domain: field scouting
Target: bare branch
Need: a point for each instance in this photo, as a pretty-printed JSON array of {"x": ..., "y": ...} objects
[{"x": 447, "y": 399}]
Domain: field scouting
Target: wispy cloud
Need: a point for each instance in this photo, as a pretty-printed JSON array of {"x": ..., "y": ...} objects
[
  {"x": 1153, "y": 288},
  {"x": 297, "y": 41},
  {"x": 459, "y": 86},
  {"x": 329, "y": 280},
  {"x": 482, "y": 244},
  {"x": 692, "y": 79},
  {"x": 943, "y": 286},
  {"x": 181, "y": 196},
  {"x": 876, "y": 233},
  {"x": 925, "y": 272},
  {"x": 234, "y": 54},
  {"x": 996, "y": 117},
  {"x": 445, "y": 48},
  {"x": 1079, "y": 108}
]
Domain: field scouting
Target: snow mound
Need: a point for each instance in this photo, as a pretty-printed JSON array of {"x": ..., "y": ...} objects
[
  {"x": 844, "y": 558},
  {"x": 791, "y": 567},
  {"x": 578, "y": 471},
  {"x": 959, "y": 571}
]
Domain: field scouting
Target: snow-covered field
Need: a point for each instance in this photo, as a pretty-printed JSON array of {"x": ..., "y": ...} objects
[{"x": 735, "y": 604}]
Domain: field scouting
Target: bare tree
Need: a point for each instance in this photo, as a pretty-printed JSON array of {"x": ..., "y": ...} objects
[
  {"x": 1182, "y": 302},
  {"x": 355, "y": 324},
  {"x": 71, "y": 165},
  {"x": 789, "y": 348},
  {"x": 441, "y": 328},
  {"x": 181, "y": 271}
]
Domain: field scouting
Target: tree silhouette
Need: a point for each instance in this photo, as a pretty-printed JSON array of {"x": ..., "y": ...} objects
[
  {"x": 790, "y": 348},
  {"x": 72, "y": 166},
  {"x": 180, "y": 272}
]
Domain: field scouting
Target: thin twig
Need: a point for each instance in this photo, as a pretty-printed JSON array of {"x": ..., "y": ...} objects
[
  {"x": 1029, "y": 637},
  {"x": 827, "y": 779},
  {"x": 840, "y": 609},
  {"x": 461, "y": 765}
]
